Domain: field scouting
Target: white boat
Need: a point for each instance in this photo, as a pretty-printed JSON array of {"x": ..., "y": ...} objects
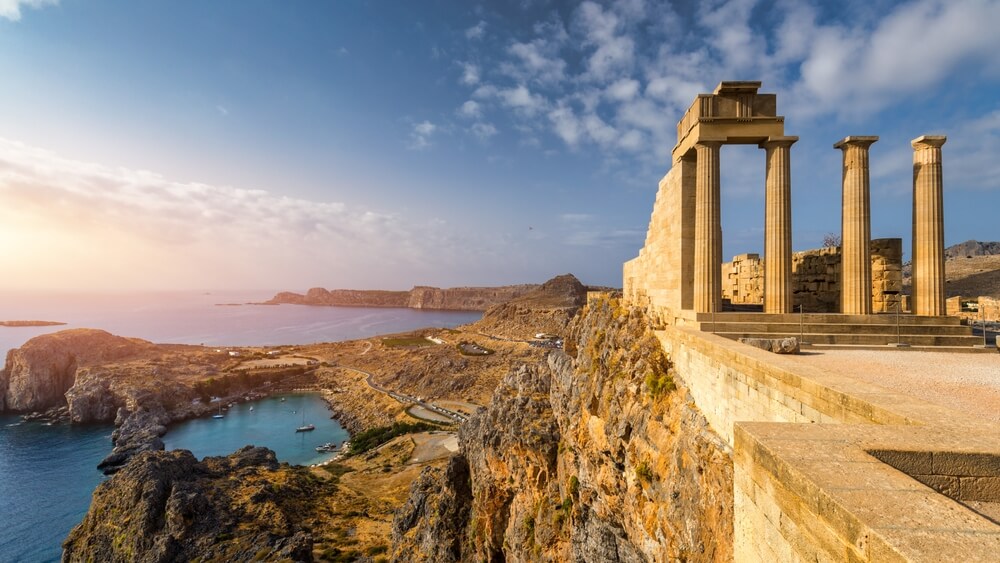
[
  {"x": 219, "y": 415},
  {"x": 306, "y": 428}
]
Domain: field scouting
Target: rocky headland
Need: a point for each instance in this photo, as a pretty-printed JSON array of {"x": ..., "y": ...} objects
[
  {"x": 546, "y": 309},
  {"x": 420, "y": 297},
  {"x": 168, "y": 506},
  {"x": 30, "y": 323},
  {"x": 88, "y": 375}
]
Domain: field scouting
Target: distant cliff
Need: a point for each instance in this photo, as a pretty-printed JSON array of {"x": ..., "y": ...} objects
[
  {"x": 546, "y": 309},
  {"x": 420, "y": 297}
]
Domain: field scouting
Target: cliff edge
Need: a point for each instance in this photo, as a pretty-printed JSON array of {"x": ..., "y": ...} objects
[{"x": 596, "y": 455}]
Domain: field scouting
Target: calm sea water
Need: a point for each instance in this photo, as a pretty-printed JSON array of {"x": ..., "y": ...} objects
[
  {"x": 47, "y": 474},
  {"x": 196, "y": 318}
]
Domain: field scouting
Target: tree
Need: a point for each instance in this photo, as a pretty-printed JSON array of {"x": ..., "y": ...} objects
[{"x": 831, "y": 240}]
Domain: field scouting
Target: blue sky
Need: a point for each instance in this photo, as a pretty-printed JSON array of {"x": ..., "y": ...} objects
[{"x": 158, "y": 145}]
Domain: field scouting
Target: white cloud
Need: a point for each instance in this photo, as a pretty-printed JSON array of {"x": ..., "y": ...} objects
[
  {"x": 102, "y": 226},
  {"x": 623, "y": 90},
  {"x": 470, "y": 74},
  {"x": 522, "y": 99},
  {"x": 483, "y": 130},
  {"x": 575, "y": 217},
  {"x": 477, "y": 31},
  {"x": 223, "y": 110},
  {"x": 470, "y": 109},
  {"x": 566, "y": 124},
  {"x": 11, "y": 9},
  {"x": 536, "y": 61},
  {"x": 420, "y": 135}
]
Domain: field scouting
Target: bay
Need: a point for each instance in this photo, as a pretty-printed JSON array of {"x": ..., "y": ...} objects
[{"x": 47, "y": 473}]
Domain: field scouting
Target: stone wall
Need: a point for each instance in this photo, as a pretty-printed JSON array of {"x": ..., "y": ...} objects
[
  {"x": 816, "y": 278},
  {"x": 743, "y": 279},
  {"x": 988, "y": 308}
]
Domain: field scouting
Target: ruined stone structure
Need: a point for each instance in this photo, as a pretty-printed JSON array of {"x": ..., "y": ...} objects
[
  {"x": 678, "y": 273},
  {"x": 827, "y": 466},
  {"x": 816, "y": 276}
]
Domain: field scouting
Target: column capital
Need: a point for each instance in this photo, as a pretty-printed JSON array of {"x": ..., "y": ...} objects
[
  {"x": 710, "y": 143},
  {"x": 928, "y": 142},
  {"x": 773, "y": 142},
  {"x": 855, "y": 141}
]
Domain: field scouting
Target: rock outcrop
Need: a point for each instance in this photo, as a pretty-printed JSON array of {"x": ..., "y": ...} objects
[
  {"x": 167, "y": 506},
  {"x": 546, "y": 309},
  {"x": 420, "y": 297},
  {"x": 597, "y": 455},
  {"x": 37, "y": 375}
]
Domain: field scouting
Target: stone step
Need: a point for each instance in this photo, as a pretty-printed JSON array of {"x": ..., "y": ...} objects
[
  {"x": 836, "y": 328},
  {"x": 832, "y": 318},
  {"x": 866, "y": 339}
]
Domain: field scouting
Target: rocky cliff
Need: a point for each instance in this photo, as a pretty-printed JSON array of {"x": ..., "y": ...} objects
[
  {"x": 545, "y": 309},
  {"x": 420, "y": 297},
  {"x": 167, "y": 506},
  {"x": 37, "y": 375},
  {"x": 596, "y": 455}
]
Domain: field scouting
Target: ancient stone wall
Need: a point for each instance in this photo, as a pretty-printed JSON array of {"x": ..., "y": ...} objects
[
  {"x": 988, "y": 308},
  {"x": 816, "y": 278}
]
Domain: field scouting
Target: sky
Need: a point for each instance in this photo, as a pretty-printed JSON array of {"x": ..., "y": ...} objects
[{"x": 385, "y": 144}]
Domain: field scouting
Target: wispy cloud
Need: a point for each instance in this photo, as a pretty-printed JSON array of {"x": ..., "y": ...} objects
[
  {"x": 477, "y": 31},
  {"x": 420, "y": 135},
  {"x": 483, "y": 131},
  {"x": 470, "y": 109},
  {"x": 223, "y": 110},
  {"x": 91, "y": 219},
  {"x": 11, "y": 9}
]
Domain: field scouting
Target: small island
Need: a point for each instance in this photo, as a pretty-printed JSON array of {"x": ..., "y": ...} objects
[{"x": 30, "y": 323}]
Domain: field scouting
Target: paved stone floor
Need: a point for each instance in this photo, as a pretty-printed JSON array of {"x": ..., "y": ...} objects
[{"x": 968, "y": 383}]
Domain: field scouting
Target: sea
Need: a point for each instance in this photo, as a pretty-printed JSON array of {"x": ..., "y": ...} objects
[{"x": 47, "y": 473}]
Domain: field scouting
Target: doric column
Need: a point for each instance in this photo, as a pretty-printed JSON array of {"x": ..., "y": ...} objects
[
  {"x": 707, "y": 230},
  {"x": 856, "y": 230},
  {"x": 928, "y": 226},
  {"x": 778, "y": 226}
]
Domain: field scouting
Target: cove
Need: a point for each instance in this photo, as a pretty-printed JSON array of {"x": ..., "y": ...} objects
[{"x": 271, "y": 424}]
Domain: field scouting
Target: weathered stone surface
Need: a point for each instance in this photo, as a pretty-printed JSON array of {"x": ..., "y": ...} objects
[
  {"x": 594, "y": 457},
  {"x": 38, "y": 374},
  {"x": 167, "y": 506},
  {"x": 776, "y": 345}
]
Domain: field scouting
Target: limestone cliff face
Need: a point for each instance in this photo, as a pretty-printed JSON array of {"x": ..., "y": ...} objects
[
  {"x": 594, "y": 456},
  {"x": 546, "y": 309},
  {"x": 420, "y": 297},
  {"x": 38, "y": 374},
  {"x": 167, "y": 506}
]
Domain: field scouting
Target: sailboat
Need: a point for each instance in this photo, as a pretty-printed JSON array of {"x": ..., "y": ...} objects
[
  {"x": 305, "y": 427},
  {"x": 220, "y": 415}
]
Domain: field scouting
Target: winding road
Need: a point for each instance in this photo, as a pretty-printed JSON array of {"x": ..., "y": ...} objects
[{"x": 403, "y": 398}]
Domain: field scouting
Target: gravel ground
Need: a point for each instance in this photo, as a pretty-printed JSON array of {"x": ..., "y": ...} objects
[{"x": 968, "y": 383}]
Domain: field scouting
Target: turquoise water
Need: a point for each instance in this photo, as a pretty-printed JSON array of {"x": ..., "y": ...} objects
[
  {"x": 47, "y": 473},
  {"x": 272, "y": 423},
  {"x": 46, "y": 476}
]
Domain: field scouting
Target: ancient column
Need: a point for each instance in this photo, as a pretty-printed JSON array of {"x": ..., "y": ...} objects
[
  {"x": 855, "y": 236},
  {"x": 778, "y": 226},
  {"x": 707, "y": 230},
  {"x": 928, "y": 226}
]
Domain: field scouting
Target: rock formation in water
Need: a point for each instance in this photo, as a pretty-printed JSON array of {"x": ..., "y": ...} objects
[
  {"x": 168, "y": 506},
  {"x": 37, "y": 375},
  {"x": 596, "y": 456},
  {"x": 420, "y": 297}
]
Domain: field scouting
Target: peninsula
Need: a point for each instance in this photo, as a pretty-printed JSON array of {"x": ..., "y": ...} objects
[
  {"x": 420, "y": 297},
  {"x": 30, "y": 323}
]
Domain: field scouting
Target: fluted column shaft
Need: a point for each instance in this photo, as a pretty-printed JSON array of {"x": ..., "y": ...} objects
[
  {"x": 778, "y": 226},
  {"x": 855, "y": 250},
  {"x": 708, "y": 230},
  {"x": 928, "y": 226}
]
